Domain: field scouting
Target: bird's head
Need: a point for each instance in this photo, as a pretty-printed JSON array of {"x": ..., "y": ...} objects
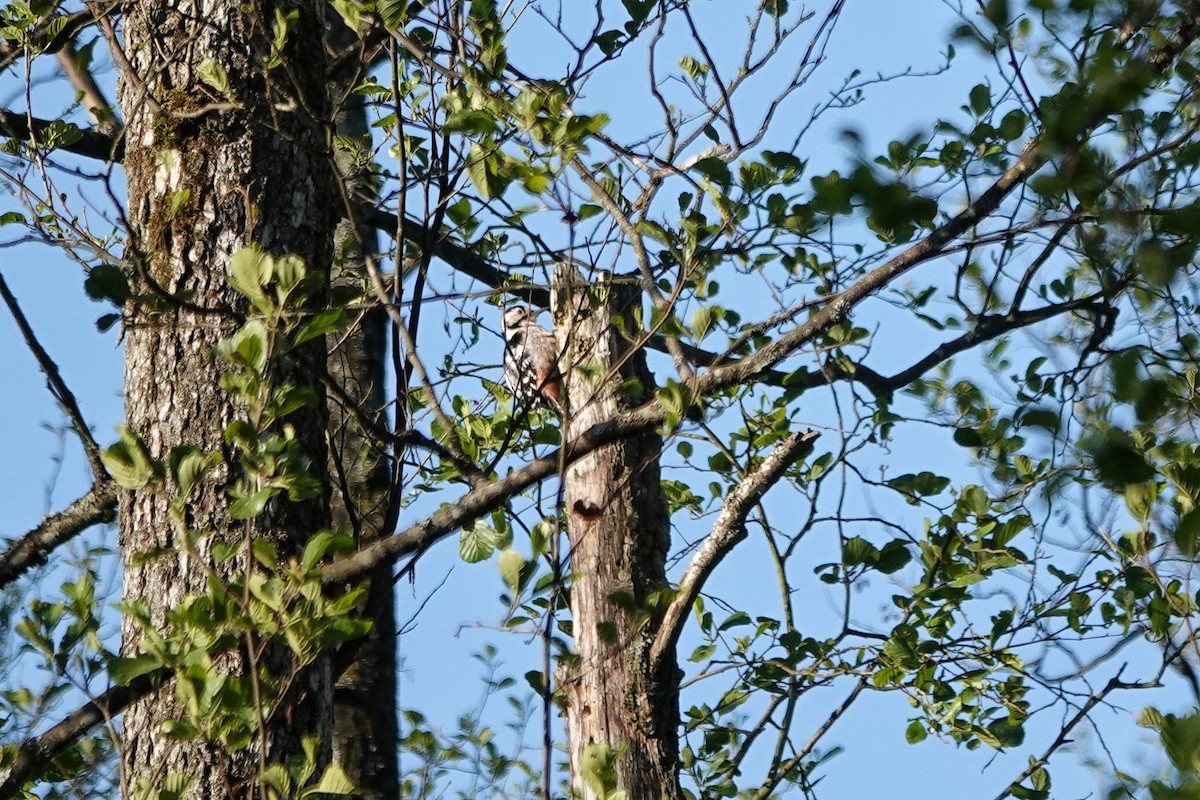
[{"x": 515, "y": 317}]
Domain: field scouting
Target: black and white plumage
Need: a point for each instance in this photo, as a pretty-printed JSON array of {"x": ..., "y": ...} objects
[{"x": 531, "y": 360}]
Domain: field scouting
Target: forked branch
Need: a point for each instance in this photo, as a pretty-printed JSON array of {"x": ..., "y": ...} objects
[{"x": 726, "y": 533}]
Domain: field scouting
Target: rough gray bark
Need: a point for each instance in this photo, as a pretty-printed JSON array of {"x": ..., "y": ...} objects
[
  {"x": 365, "y": 723},
  {"x": 207, "y": 175},
  {"x": 618, "y": 529}
]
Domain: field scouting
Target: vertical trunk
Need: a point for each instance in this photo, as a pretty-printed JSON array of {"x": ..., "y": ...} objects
[
  {"x": 365, "y": 724},
  {"x": 211, "y": 169},
  {"x": 618, "y": 529}
]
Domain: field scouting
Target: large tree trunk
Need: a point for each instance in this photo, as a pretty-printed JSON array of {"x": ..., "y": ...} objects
[
  {"x": 211, "y": 171},
  {"x": 365, "y": 723},
  {"x": 618, "y": 528}
]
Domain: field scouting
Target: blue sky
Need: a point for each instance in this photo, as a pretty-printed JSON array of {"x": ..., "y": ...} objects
[{"x": 439, "y": 675}]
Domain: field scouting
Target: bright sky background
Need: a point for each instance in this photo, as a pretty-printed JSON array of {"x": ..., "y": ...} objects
[{"x": 439, "y": 676}]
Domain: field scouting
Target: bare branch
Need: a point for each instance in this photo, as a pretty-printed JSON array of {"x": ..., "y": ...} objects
[
  {"x": 663, "y": 304},
  {"x": 1064, "y": 733},
  {"x": 10, "y": 51},
  {"x": 92, "y": 144},
  {"x": 458, "y": 257},
  {"x": 987, "y": 328},
  {"x": 35, "y": 755},
  {"x": 728, "y": 530},
  {"x": 98, "y": 506},
  {"x": 415, "y": 363},
  {"x": 100, "y": 110},
  {"x": 779, "y": 772},
  {"x": 488, "y": 496},
  {"x": 58, "y": 386}
]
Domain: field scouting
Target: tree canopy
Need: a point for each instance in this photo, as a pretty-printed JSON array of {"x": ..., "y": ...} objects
[{"x": 882, "y": 383}]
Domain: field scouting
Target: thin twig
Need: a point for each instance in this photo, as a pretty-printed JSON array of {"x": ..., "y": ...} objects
[{"x": 58, "y": 387}]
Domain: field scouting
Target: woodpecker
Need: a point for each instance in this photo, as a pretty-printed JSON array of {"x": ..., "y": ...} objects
[{"x": 531, "y": 360}]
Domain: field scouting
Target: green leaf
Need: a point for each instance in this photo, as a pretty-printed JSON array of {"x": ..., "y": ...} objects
[
  {"x": 350, "y": 11},
  {"x": 894, "y": 556},
  {"x": 214, "y": 75},
  {"x": 289, "y": 271},
  {"x": 471, "y": 120},
  {"x": 734, "y": 620},
  {"x": 536, "y": 681},
  {"x": 1013, "y": 125},
  {"x": 997, "y": 13},
  {"x": 128, "y": 461},
  {"x": 925, "y": 484},
  {"x": 252, "y": 505},
  {"x": 324, "y": 322},
  {"x": 107, "y": 282},
  {"x": 187, "y": 464},
  {"x": 599, "y": 767},
  {"x": 485, "y": 22},
  {"x": 178, "y": 201},
  {"x": 483, "y": 169},
  {"x": 292, "y": 398},
  {"x": 702, "y": 320},
  {"x": 1007, "y": 732},
  {"x": 248, "y": 347},
  {"x": 510, "y": 564},
  {"x": 394, "y": 13},
  {"x": 322, "y": 543},
  {"x": 858, "y": 550},
  {"x": 976, "y": 500},
  {"x": 175, "y": 786},
  {"x": 587, "y": 211},
  {"x": 1045, "y": 418},
  {"x": 694, "y": 69},
  {"x": 60, "y": 134},
  {"x": 241, "y": 433},
  {"x": 715, "y": 170},
  {"x": 638, "y": 10},
  {"x": 123, "y": 670},
  {"x": 276, "y": 778},
  {"x": 250, "y": 271},
  {"x": 1001, "y": 624},
  {"x": 901, "y": 647},
  {"x": 1140, "y": 582},
  {"x": 476, "y": 542},
  {"x": 281, "y": 31},
  {"x": 981, "y": 99},
  {"x": 915, "y": 732},
  {"x": 968, "y": 437},
  {"x": 1187, "y": 533},
  {"x": 334, "y": 781},
  {"x": 265, "y": 552},
  {"x": 1140, "y": 499},
  {"x": 1115, "y": 457},
  {"x": 609, "y": 41}
]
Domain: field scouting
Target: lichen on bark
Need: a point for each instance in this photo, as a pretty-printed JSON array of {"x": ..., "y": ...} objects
[{"x": 208, "y": 176}]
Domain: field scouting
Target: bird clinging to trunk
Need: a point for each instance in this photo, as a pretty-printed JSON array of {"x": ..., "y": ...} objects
[{"x": 531, "y": 360}]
